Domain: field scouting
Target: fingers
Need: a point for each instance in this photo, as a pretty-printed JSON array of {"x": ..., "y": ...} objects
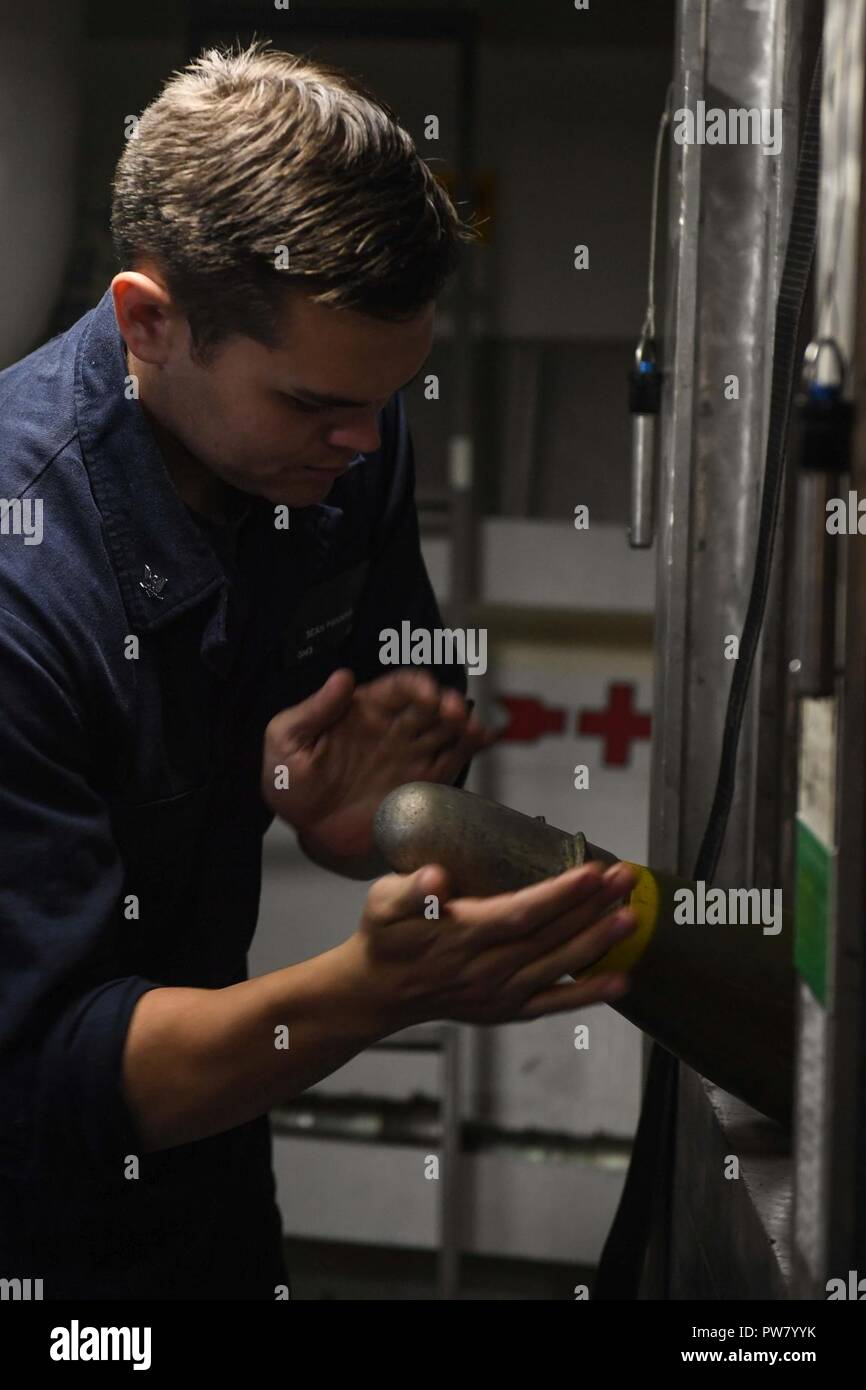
[
  {"x": 408, "y": 700},
  {"x": 312, "y": 716},
  {"x": 569, "y": 902},
  {"x": 455, "y": 710},
  {"x": 446, "y": 764},
  {"x": 575, "y": 955},
  {"x": 604, "y": 989},
  {"x": 455, "y": 731},
  {"x": 435, "y": 718},
  {"x": 398, "y": 896},
  {"x": 394, "y": 693},
  {"x": 432, "y": 730},
  {"x": 452, "y": 725}
]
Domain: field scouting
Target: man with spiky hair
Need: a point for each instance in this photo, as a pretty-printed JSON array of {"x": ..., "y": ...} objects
[{"x": 225, "y": 471}]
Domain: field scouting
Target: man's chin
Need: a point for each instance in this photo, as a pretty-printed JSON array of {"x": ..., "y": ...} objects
[{"x": 301, "y": 490}]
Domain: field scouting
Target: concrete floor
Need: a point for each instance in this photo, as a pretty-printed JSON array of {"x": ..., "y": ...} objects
[{"x": 328, "y": 1271}]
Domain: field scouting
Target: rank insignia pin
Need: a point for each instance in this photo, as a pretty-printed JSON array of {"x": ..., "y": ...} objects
[{"x": 152, "y": 584}]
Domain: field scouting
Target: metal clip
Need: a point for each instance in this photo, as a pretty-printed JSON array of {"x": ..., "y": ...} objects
[
  {"x": 644, "y": 400},
  {"x": 824, "y": 417}
]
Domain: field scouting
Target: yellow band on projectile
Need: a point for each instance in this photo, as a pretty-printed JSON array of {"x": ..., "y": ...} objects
[{"x": 625, "y": 955}]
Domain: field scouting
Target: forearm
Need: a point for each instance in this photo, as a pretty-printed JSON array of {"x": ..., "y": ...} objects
[{"x": 200, "y": 1061}]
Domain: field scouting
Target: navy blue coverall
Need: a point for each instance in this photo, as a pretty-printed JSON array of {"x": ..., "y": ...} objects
[{"x": 140, "y": 777}]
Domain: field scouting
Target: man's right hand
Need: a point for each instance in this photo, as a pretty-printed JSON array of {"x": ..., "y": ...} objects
[
  {"x": 199, "y": 1061},
  {"x": 490, "y": 960}
]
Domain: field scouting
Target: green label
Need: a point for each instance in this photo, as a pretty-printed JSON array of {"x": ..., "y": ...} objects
[{"x": 812, "y": 910}]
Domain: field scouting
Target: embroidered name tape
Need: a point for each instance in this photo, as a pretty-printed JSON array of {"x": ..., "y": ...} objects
[{"x": 324, "y": 616}]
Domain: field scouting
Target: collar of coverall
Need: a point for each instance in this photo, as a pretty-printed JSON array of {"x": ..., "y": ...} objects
[{"x": 163, "y": 562}]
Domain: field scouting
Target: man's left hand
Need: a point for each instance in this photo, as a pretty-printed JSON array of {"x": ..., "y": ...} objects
[{"x": 347, "y": 746}]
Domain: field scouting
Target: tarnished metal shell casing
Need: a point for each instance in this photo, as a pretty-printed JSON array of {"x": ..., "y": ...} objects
[{"x": 720, "y": 997}]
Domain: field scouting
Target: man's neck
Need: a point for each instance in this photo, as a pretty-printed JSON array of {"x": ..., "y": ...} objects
[{"x": 196, "y": 485}]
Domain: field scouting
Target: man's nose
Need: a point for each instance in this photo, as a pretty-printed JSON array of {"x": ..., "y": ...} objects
[{"x": 361, "y": 433}]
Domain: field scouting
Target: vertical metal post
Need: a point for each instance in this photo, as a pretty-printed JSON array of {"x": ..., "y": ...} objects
[
  {"x": 846, "y": 1243},
  {"x": 727, "y": 217},
  {"x": 675, "y": 455},
  {"x": 830, "y": 1193},
  {"x": 449, "y": 1210}
]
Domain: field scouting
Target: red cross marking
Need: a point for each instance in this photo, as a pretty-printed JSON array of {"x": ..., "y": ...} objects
[
  {"x": 529, "y": 718},
  {"x": 618, "y": 724}
]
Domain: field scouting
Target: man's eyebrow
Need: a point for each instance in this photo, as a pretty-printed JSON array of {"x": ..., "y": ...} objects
[{"x": 317, "y": 398}]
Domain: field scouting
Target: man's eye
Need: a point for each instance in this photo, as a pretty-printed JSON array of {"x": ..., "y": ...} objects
[{"x": 303, "y": 406}]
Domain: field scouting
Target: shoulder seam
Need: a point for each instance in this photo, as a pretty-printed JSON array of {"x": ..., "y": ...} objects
[{"x": 48, "y": 462}]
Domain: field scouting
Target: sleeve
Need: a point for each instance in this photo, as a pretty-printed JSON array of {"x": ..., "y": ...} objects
[
  {"x": 398, "y": 588},
  {"x": 65, "y": 1003}
]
